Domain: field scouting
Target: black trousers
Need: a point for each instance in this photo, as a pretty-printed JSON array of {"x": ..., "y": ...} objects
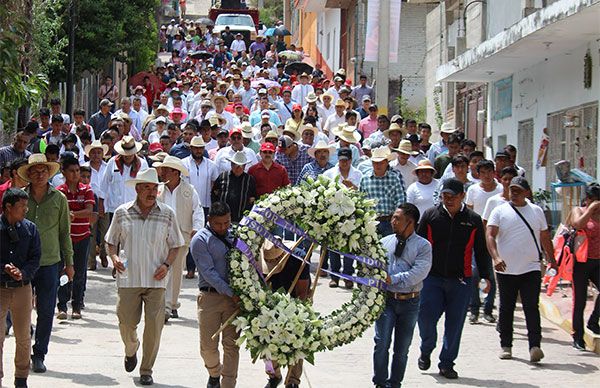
[
  {"x": 582, "y": 273},
  {"x": 528, "y": 285}
]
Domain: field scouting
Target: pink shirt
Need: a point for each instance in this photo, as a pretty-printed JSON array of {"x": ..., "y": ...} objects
[{"x": 367, "y": 126}]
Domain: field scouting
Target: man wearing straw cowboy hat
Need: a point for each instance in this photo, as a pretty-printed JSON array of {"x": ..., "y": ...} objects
[
  {"x": 48, "y": 209},
  {"x": 219, "y": 102},
  {"x": 336, "y": 119},
  {"x": 216, "y": 301},
  {"x": 320, "y": 153},
  {"x": 421, "y": 192},
  {"x": 235, "y": 187},
  {"x": 290, "y": 274},
  {"x": 402, "y": 165},
  {"x": 301, "y": 91},
  {"x": 148, "y": 235},
  {"x": 184, "y": 200},
  {"x": 95, "y": 153},
  {"x": 394, "y": 134},
  {"x": 385, "y": 186},
  {"x": 347, "y": 136}
]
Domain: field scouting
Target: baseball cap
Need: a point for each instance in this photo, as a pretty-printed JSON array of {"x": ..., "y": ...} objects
[
  {"x": 160, "y": 119},
  {"x": 222, "y": 132},
  {"x": 155, "y": 147},
  {"x": 373, "y": 107},
  {"x": 502, "y": 154},
  {"x": 396, "y": 118},
  {"x": 106, "y": 101},
  {"x": 413, "y": 138},
  {"x": 262, "y": 91},
  {"x": 521, "y": 182},
  {"x": 265, "y": 113},
  {"x": 344, "y": 154},
  {"x": 266, "y": 146},
  {"x": 234, "y": 131},
  {"x": 366, "y": 97},
  {"x": 452, "y": 186},
  {"x": 285, "y": 141}
]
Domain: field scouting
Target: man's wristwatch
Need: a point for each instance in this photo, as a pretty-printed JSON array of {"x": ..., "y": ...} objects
[{"x": 166, "y": 265}]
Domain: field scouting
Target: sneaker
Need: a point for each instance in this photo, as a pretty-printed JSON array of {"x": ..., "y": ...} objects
[
  {"x": 506, "y": 353},
  {"x": 473, "y": 319},
  {"x": 333, "y": 283},
  {"x": 489, "y": 318},
  {"x": 579, "y": 344},
  {"x": 594, "y": 327},
  {"x": 76, "y": 314},
  {"x": 449, "y": 373},
  {"x": 189, "y": 275},
  {"x": 348, "y": 284},
  {"x": 293, "y": 385},
  {"x": 146, "y": 380},
  {"x": 273, "y": 382},
  {"x": 424, "y": 362},
  {"x": 214, "y": 382},
  {"x": 174, "y": 314},
  {"x": 62, "y": 315},
  {"x": 535, "y": 354}
]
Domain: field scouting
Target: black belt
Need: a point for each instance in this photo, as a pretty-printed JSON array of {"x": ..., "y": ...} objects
[
  {"x": 403, "y": 295},
  {"x": 14, "y": 284},
  {"x": 208, "y": 289}
]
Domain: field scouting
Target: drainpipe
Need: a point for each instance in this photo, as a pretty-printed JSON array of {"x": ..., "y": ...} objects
[
  {"x": 356, "y": 49},
  {"x": 464, "y": 16}
]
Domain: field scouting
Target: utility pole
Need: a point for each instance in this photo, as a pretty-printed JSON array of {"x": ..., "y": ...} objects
[
  {"x": 71, "y": 57},
  {"x": 383, "y": 63}
]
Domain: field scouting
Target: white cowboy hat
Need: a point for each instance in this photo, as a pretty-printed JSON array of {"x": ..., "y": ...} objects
[
  {"x": 294, "y": 134},
  {"x": 405, "y": 147},
  {"x": 147, "y": 176},
  {"x": 271, "y": 255},
  {"x": 347, "y": 133},
  {"x": 340, "y": 102},
  {"x": 311, "y": 97},
  {"x": 197, "y": 141},
  {"x": 309, "y": 127},
  {"x": 447, "y": 128},
  {"x": 95, "y": 144},
  {"x": 219, "y": 97},
  {"x": 238, "y": 158},
  {"x": 393, "y": 127},
  {"x": 424, "y": 164},
  {"x": 326, "y": 94},
  {"x": 34, "y": 160},
  {"x": 128, "y": 146},
  {"x": 247, "y": 131},
  {"x": 321, "y": 145},
  {"x": 159, "y": 157},
  {"x": 382, "y": 153},
  {"x": 174, "y": 163}
]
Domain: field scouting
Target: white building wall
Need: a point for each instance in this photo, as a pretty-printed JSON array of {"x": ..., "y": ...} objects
[
  {"x": 502, "y": 14},
  {"x": 328, "y": 36},
  {"x": 547, "y": 87}
]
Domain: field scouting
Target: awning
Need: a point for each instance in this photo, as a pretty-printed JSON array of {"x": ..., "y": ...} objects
[{"x": 551, "y": 31}]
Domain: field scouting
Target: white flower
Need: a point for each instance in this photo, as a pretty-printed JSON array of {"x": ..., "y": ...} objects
[{"x": 341, "y": 204}]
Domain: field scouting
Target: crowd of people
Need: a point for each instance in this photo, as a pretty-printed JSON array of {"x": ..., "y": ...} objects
[{"x": 155, "y": 184}]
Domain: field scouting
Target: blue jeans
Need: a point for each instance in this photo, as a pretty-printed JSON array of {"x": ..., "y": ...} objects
[
  {"x": 336, "y": 264},
  {"x": 384, "y": 228},
  {"x": 400, "y": 317},
  {"x": 488, "y": 304},
  {"x": 75, "y": 290},
  {"x": 45, "y": 284},
  {"x": 448, "y": 296}
]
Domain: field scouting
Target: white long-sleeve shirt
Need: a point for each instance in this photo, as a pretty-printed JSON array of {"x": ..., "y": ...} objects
[
  {"x": 202, "y": 177},
  {"x": 169, "y": 198},
  {"x": 113, "y": 188},
  {"x": 300, "y": 92}
]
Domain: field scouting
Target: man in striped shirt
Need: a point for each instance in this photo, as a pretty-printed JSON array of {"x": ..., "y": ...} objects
[{"x": 81, "y": 203}]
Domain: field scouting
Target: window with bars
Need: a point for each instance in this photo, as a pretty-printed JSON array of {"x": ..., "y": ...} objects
[{"x": 525, "y": 150}]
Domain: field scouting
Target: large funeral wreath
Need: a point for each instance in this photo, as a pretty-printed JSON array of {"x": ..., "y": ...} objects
[{"x": 278, "y": 327}]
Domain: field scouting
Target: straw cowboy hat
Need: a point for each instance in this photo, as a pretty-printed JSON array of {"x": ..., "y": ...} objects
[
  {"x": 321, "y": 145},
  {"x": 95, "y": 144},
  {"x": 34, "y": 160},
  {"x": 219, "y": 97},
  {"x": 174, "y": 163},
  {"x": 311, "y": 97},
  {"x": 340, "y": 102},
  {"x": 326, "y": 94},
  {"x": 292, "y": 132},
  {"x": 271, "y": 135},
  {"x": 238, "y": 158},
  {"x": 247, "y": 131},
  {"x": 405, "y": 147},
  {"x": 271, "y": 255},
  {"x": 448, "y": 128},
  {"x": 162, "y": 107},
  {"x": 347, "y": 133},
  {"x": 424, "y": 164},
  {"x": 128, "y": 146},
  {"x": 393, "y": 127},
  {"x": 382, "y": 153},
  {"x": 159, "y": 157},
  {"x": 147, "y": 176},
  {"x": 309, "y": 127},
  {"x": 197, "y": 141}
]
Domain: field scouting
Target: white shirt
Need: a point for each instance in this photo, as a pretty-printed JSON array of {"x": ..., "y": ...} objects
[
  {"x": 169, "y": 198},
  {"x": 421, "y": 195},
  {"x": 407, "y": 171},
  {"x": 299, "y": 93},
  {"x": 492, "y": 203},
  {"x": 113, "y": 188},
  {"x": 146, "y": 242},
  {"x": 514, "y": 240},
  {"x": 229, "y": 118},
  {"x": 202, "y": 177},
  {"x": 227, "y": 152},
  {"x": 354, "y": 175},
  {"x": 97, "y": 177},
  {"x": 211, "y": 145},
  {"x": 477, "y": 197},
  {"x": 326, "y": 112},
  {"x": 332, "y": 122},
  {"x": 238, "y": 45}
]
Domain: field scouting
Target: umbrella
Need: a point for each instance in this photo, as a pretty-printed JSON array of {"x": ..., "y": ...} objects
[
  {"x": 291, "y": 55},
  {"x": 298, "y": 67},
  {"x": 138, "y": 79},
  {"x": 200, "y": 55},
  {"x": 267, "y": 82},
  {"x": 205, "y": 21},
  {"x": 270, "y": 31},
  {"x": 282, "y": 31}
]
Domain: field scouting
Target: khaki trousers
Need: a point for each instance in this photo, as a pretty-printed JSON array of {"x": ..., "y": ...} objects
[
  {"x": 174, "y": 278},
  {"x": 129, "y": 312},
  {"x": 19, "y": 302},
  {"x": 100, "y": 226},
  {"x": 213, "y": 310},
  {"x": 294, "y": 372}
]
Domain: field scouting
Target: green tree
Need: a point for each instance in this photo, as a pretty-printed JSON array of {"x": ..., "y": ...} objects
[
  {"x": 407, "y": 112},
  {"x": 49, "y": 38}
]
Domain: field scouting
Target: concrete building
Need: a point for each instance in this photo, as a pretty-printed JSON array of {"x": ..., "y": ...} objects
[
  {"x": 332, "y": 32},
  {"x": 508, "y": 71}
]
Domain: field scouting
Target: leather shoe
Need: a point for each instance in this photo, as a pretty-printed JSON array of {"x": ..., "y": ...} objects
[
  {"x": 37, "y": 365},
  {"x": 294, "y": 385},
  {"x": 104, "y": 261},
  {"x": 449, "y": 373},
  {"x": 214, "y": 382},
  {"x": 424, "y": 362},
  {"x": 174, "y": 314},
  {"x": 130, "y": 362},
  {"x": 273, "y": 382},
  {"x": 579, "y": 344},
  {"x": 146, "y": 380},
  {"x": 594, "y": 327},
  {"x": 20, "y": 382},
  {"x": 333, "y": 283}
]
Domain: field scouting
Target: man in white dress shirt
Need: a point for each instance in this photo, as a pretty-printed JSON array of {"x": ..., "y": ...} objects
[
  {"x": 402, "y": 164},
  {"x": 235, "y": 139},
  {"x": 183, "y": 199},
  {"x": 302, "y": 90}
]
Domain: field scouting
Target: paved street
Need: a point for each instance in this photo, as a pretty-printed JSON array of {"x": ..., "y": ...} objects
[{"x": 89, "y": 353}]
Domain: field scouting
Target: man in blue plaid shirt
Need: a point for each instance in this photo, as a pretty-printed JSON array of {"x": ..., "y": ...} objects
[
  {"x": 293, "y": 157},
  {"x": 385, "y": 186},
  {"x": 320, "y": 163}
]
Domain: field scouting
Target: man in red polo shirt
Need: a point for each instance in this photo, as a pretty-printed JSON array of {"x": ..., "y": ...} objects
[
  {"x": 268, "y": 175},
  {"x": 81, "y": 203}
]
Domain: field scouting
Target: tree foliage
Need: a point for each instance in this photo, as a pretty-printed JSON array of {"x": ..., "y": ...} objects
[
  {"x": 271, "y": 12},
  {"x": 50, "y": 39}
]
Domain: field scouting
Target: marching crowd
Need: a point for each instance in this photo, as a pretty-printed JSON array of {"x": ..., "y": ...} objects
[{"x": 154, "y": 181}]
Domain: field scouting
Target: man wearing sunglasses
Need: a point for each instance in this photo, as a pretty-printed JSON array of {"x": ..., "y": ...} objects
[{"x": 409, "y": 261}]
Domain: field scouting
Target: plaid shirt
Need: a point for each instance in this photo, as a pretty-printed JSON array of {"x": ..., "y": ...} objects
[
  {"x": 294, "y": 167},
  {"x": 388, "y": 190},
  {"x": 313, "y": 170}
]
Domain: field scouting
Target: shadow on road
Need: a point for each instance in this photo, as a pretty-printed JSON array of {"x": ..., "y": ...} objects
[{"x": 92, "y": 380}]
